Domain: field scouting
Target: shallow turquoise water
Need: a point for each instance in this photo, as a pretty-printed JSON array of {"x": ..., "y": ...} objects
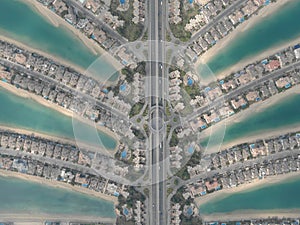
[
  {"x": 20, "y": 196},
  {"x": 25, "y": 113},
  {"x": 282, "y": 195},
  {"x": 272, "y": 30}
]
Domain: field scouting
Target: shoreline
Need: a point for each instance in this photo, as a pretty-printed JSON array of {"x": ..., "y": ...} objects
[
  {"x": 268, "y": 10},
  {"x": 40, "y": 100},
  {"x": 268, "y": 181},
  {"x": 58, "y": 184},
  {"x": 253, "y": 109},
  {"x": 57, "y": 21}
]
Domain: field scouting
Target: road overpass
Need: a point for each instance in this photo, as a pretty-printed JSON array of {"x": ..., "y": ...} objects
[{"x": 156, "y": 72}]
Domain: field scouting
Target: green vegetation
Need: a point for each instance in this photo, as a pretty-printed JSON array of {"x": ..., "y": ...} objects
[
  {"x": 129, "y": 73},
  {"x": 122, "y": 221},
  {"x": 183, "y": 173},
  {"x": 178, "y": 29},
  {"x": 146, "y": 192},
  {"x": 130, "y": 202},
  {"x": 168, "y": 129},
  {"x": 174, "y": 139},
  {"x": 169, "y": 191},
  {"x": 138, "y": 133},
  {"x": 194, "y": 161},
  {"x": 145, "y": 113},
  {"x": 131, "y": 199},
  {"x": 136, "y": 109},
  {"x": 178, "y": 198},
  {"x": 115, "y": 89},
  {"x": 191, "y": 221},
  {"x": 192, "y": 91},
  {"x": 146, "y": 129},
  {"x": 176, "y": 182},
  {"x": 145, "y": 36},
  {"x": 129, "y": 30},
  {"x": 168, "y": 110},
  {"x": 168, "y": 37}
]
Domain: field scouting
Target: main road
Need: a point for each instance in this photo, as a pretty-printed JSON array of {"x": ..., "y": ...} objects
[{"x": 156, "y": 88}]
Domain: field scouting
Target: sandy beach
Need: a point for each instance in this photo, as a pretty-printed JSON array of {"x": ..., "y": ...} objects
[
  {"x": 246, "y": 187},
  {"x": 253, "y": 109},
  {"x": 44, "y": 102},
  {"x": 58, "y": 184},
  {"x": 268, "y": 10}
]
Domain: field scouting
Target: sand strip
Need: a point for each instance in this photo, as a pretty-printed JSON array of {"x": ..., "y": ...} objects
[{"x": 58, "y": 184}]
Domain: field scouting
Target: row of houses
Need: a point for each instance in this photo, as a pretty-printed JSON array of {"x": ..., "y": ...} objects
[
  {"x": 206, "y": 14},
  {"x": 222, "y": 28},
  {"x": 232, "y": 106},
  {"x": 27, "y": 165},
  {"x": 252, "y": 150},
  {"x": 234, "y": 177},
  {"x": 135, "y": 155},
  {"x": 45, "y": 148},
  {"x": 251, "y": 73},
  {"x": 178, "y": 211},
  {"x": 50, "y": 84},
  {"x": 244, "y": 98},
  {"x": 205, "y": 95}
]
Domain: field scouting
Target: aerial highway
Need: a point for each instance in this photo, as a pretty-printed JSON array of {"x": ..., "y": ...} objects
[{"x": 156, "y": 71}]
